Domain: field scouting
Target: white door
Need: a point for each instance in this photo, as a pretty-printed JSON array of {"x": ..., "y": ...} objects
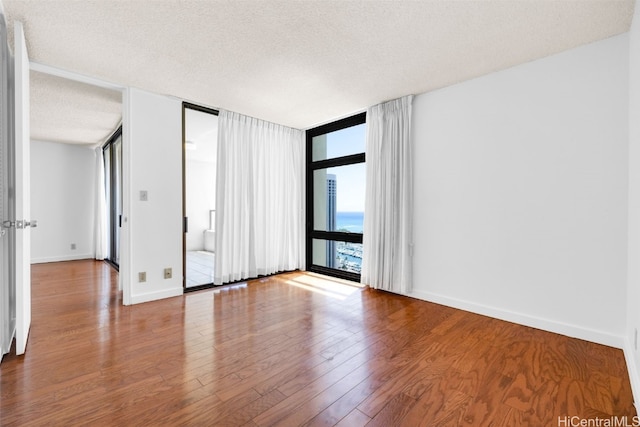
[
  {"x": 7, "y": 291},
  {"x": 22, "y": 190}
]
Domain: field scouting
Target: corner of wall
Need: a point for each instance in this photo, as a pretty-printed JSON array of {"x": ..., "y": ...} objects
[
  {"x": 633, "y": 216},
  {"x": 152, "y": 224}
]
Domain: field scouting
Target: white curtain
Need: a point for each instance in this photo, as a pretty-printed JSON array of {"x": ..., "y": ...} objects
[
  {"x": 387, "y": 240},
  {"x": 100, "y": 208},
  {"x": 259, "y": 191}
]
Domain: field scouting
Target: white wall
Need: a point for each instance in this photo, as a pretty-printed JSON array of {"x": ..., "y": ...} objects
[
  {"x": 201, "y": 197},
  {"x": 152, "y": 229},
  {"x": 62, "y": 199},
  {"x": 633, "y": 263},
  {"x": 521, "y": 193}
]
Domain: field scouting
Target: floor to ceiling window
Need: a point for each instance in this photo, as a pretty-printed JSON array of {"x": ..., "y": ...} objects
[
  {"x": 335, "y": 197},
  {"x": 113, "y": 189}
]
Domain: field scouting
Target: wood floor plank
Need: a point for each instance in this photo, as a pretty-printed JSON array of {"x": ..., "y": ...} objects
[
  {"x": 293, "y": 349},
  {"x": 393, "y": 411},
  {"x": 381, "y": 373},
  {"x": 247, "y": 413},
  {"x": 355, "y": 418},
  {"x": 302, "y": 396},
  {"x": 343, "y": 407},
  {"x": 312, "y": 407}
]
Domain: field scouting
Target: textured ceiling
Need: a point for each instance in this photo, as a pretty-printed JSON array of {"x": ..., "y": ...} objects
[
  {"x": 301, "y": 63},
  {"x": 67, "y": 111}
]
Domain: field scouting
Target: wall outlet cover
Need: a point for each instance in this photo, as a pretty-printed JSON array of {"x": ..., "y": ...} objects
[
  {"x": 142, "y": 277},
  {"x": 168, "y": 273}
]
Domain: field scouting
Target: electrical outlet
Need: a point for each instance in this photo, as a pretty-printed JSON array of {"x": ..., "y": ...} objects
[
  {"x": 144, "y": 196},
  {"x": 142, "y": 276},
  {"x": 167, "y": 273},
  {"x": 73, "y": 246}
]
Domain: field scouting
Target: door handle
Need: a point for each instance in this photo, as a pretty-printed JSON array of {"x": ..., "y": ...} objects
[{"x": 20, "y": 224}]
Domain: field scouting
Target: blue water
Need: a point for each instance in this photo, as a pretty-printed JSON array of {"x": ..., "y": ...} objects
[
  {"x": 349, "y": 255},
  {"x": 350, "y": 221}
]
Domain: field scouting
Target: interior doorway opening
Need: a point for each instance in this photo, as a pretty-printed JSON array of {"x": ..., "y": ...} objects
[{"x": 200, "y": 134}]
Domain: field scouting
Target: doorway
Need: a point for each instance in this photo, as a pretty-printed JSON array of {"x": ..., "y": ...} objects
[{"x": 200, "y": 134}]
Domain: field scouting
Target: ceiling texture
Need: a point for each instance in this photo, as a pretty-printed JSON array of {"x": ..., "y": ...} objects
[
  {"x": 297, "y": 63},
  {"x": 68, "y": 111}
]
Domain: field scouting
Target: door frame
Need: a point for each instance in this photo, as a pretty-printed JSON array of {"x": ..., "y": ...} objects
[
  {"x": 22, "y": 190},
  {"x": 185, "y": 224},
  {"x": 7, "y": 275},
  {"x": 115, "y": 219}
]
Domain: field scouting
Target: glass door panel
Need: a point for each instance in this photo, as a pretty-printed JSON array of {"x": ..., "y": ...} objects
[{"x": 113, "y": 189}]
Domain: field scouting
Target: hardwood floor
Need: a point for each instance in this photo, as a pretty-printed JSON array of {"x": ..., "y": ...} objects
[{"x": 291, "y": 350}]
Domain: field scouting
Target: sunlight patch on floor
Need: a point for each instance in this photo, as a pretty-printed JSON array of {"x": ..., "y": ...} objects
[{"x": 325, "y": 285}]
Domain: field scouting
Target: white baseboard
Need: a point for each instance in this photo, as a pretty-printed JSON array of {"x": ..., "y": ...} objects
[
  {"x": 61, "y": 258},
  {"x": 632, "y": 368},
  {"x": 561, "y": 328},
  {"x": 156, "y": 295}
]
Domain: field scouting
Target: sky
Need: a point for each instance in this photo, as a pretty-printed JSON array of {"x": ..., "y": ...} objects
[{"x": 350, "y": 179}]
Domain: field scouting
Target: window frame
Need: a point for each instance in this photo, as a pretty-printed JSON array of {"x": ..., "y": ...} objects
[
  {"x": 311, "y": 167},
  {"x": 114, "y": 192}
]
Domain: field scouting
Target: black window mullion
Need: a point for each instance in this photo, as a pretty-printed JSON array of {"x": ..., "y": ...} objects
[
  {"x": 338, "y": 161},
  {"x": 358, "y": 119},
  {"x": 348, "y": 275},
  {"x": 339, "y": 236}
]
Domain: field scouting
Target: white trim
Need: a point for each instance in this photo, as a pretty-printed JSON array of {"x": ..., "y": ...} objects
[
  {"x": 153, "y": 296},
  {"x": 61, "y": 258},
  {"x": 72, "y": 75},
  {"x": 125, "y": 278},
  {"x": 574, "y": 331},
  {"x": 632, "y": 369}
]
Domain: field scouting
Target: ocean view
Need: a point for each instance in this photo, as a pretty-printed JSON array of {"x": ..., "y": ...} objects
[
  {"x": 350, "y": 221},
  {"x": 349, "y": 255}
]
